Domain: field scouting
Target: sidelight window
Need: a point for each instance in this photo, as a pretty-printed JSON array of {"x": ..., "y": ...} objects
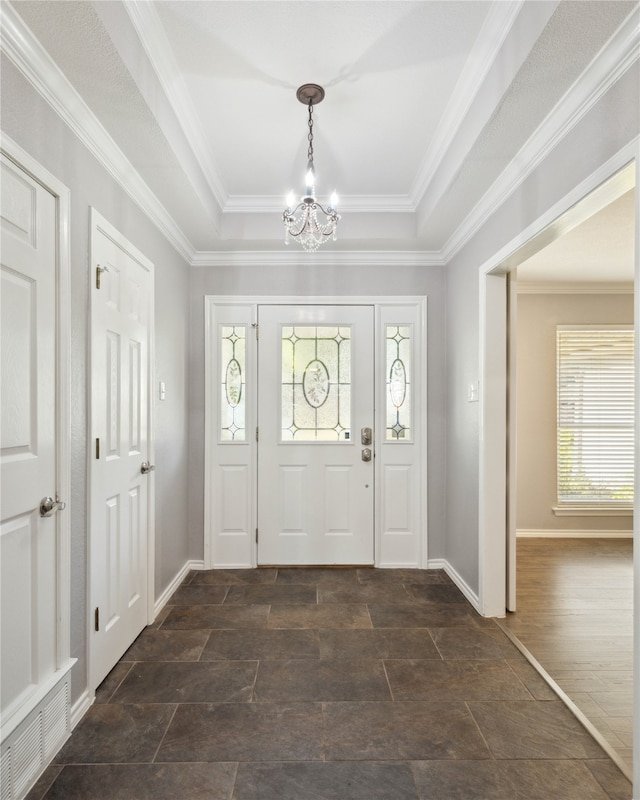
[
  {"x": 233, "y": 340},
  {"x": 398, "y": 378}
]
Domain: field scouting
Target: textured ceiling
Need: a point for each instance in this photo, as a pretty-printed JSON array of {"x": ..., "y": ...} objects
[{"x": 427, "y": 103}]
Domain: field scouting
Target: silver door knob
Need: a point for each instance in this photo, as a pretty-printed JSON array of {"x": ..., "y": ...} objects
[
  {"x": 366, "y": 436},
  {"x": 366, "y": 454},
  {"x": 49, "y": 506},
  {"x": 146, "y": 467}
]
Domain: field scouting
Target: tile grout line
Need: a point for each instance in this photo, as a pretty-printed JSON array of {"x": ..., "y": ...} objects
[
  {"x": 479, "y": 729},
  {"x": 204, "y": 646},
  {"x": 435, "y": 644},
  {"x": 252, "y": 698},
  {"x": 124, "y": 677},
  {"x": 386, "y": 674},
  {"x": 366, "y": 605},
  {"x": 234, "y": 781},
  {"x": 164, "y": 735},
  {"x": 508, "y": 665}
]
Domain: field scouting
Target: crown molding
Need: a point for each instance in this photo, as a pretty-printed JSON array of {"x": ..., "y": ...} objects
[
  {"x": 571, "y": 287},
  {"x": 148, "y": 26},
  {"x": 615, "y": 58},
  {"x": 496, "y": 27},
  {"x": 29, "y": 57},
  {"x": 249, "y": 258},
  {"x": 354, "y": 203}
]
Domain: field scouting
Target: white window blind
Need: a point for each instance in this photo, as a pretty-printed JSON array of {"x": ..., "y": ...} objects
[{"x": 595, "y": 376}]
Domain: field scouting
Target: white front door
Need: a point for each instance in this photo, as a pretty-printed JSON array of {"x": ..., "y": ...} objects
[
  {"x": 29, "y": 541},
  {"x": 121, "y": 303},
  {"x": 315, "y": 412}
]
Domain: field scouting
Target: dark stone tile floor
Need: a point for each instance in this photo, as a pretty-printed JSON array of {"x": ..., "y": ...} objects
[{"x": 327, "y": 684}]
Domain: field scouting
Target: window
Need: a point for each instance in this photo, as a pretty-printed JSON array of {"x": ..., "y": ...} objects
[
  {"x": 316, "y": 383},
  {"x": 232, "y": 382},
  {"x": 595, "y": 393},
  {"x": 398, "y": 376}
]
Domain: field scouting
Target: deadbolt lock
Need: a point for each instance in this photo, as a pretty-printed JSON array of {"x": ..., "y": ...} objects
[{"x": 366, "y": 454}]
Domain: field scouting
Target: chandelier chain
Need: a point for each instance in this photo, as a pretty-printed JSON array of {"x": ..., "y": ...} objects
[{"x": 310, "y": 134}]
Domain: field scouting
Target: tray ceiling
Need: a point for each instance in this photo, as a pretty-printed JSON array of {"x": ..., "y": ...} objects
[{"x": 427, "y": 105}]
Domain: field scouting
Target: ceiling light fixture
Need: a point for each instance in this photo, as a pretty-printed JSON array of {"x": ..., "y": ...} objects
[{"x": 302, "y": 222}]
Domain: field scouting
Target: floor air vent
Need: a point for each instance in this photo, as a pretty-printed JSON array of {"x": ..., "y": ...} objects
[{"x": 31, "y": 746}]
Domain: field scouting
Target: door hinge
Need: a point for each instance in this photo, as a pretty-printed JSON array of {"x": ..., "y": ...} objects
[
  {"x": 96, "y": 619},
  {"x": 99, "y": 271},
  {"x": 254, "y": 325},
  {"x": 256, "y": 536},
  {"x": 256, "y": 433},
  {"x": 97, "y": 448}
]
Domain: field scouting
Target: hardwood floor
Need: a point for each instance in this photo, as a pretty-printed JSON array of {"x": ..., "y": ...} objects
[{"x": 575, "y": 615}]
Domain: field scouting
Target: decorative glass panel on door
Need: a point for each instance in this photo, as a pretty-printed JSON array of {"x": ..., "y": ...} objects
[
  {"x": 316, "y": 383},
  {"x": 232, "y": 383},
  {"x": 398, "y": 338}
]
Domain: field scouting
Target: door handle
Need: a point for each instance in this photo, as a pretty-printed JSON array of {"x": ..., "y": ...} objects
[
  {"x": 49, "y": 506},
  {"x": 146, "y": 467},
  {"x": 366, "y": 436},
  {"x": 366, "y": 454}
]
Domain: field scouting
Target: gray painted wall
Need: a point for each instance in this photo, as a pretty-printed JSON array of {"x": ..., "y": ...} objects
[
  {"x": 453, "y": 319},
  {"x": 537, "y": 319},
  {"x": 326, "y": 280},
  {"x": 610, "y": 125},
  {"x": 32, "y": 124}
]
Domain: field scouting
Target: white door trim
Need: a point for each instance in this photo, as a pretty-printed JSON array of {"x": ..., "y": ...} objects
[
  {"x": 99, "y": 222},
  {"x": 493, "y": 484},
  {"x": 382, "y": 305}
]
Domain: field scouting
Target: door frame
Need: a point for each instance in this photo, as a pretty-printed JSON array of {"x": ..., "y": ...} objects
[
  {"x": 496, "y": 492},
  {"x": 97, "y": 221},
  {"x": 415, "y": 554},
  {"x": 62, "y": 197}
]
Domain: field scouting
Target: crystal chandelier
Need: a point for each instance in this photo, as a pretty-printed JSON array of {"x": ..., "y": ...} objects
[{"x": 309, "y": 222}]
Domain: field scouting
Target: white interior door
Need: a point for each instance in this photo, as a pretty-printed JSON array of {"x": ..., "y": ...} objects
[
  {"x": 121, "y": 300},
  {"x": 315, "y": 465},
  {"x": 29, "y": 541}
]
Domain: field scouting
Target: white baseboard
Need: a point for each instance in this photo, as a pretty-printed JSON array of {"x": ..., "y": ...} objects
[
  {"x": 559, "y": 533},
  {"x": 80, "y": 707},
  {"x": 162, "y": 601},
  {"x": 467, "y": 591}
]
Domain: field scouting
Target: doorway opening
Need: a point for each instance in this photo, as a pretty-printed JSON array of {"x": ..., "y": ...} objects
[{"x": 503, "y": 277}]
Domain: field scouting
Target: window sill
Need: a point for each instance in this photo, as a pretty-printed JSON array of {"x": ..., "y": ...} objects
[{"x": 592, "y": 511}]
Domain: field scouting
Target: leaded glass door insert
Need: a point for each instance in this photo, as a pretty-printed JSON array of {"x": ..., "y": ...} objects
[
  {"x": 398, "y": 369},
  {"x": 316, "y": 383},
  {"x": 232, "y": 382}
]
